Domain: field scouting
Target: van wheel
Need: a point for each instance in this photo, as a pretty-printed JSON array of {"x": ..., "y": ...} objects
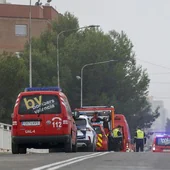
[
  {"x": 22, "y": 150},
  {"x": 52, "y": 150},
  {"x": 74, "y": 147},
  {"x": 15, "y": 148},
  {"x": 68, "y": 145}
]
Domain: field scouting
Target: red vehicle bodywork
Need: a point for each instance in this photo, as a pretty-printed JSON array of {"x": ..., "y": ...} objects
[
  {"x": 89, "y": 110},
  {"x": 53, "y": 128},
  {"x": 102, "y": 139},
  {"x": 126, "y": 144},
  {"x": 161, "y": 143}
]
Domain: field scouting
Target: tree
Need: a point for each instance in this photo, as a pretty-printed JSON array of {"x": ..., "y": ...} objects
[
  {"x": 121, "y": 83},
  {"x": 13, "y": 76},
  {"x": 167, "y": 128}
]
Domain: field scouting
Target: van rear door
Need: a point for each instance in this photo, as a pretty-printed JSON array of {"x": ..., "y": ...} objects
[
  {"x": 29, "y": 120},
  {"x": 53, "y": 116}
]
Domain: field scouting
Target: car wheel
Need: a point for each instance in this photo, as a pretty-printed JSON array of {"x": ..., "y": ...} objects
[
  {"x": 15, "y": 148},
  {"x": 68, "y": 145},
  {"x": 52, "y": 150},
  {"x": 91, "y": 148},
  {"x": 22, "y": 150}
]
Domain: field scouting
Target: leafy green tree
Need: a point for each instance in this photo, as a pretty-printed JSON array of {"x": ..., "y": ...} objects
[
  {"x": 121, "y": 83},
  {"x": 13, "y": 76}
]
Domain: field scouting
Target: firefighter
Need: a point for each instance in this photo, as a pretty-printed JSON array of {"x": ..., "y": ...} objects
[
  {"x": 139, "y": 139},
  {"x": 105, "y": 121},
  {"x": 117, "y": 138},
  {"x": 106, "y": 124},
  {"x": 96, "y": 118}
]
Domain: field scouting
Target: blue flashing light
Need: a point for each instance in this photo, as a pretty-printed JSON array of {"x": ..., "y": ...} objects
[
  {"x": 82, "y": 113},
  {"x": 43, "y": 89}
]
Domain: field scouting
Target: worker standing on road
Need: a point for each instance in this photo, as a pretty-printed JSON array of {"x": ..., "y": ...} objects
[
  {"x": 117, "y": 138},
  {"x": 96, "y": 118},
  {"x": 106, "y": 124},
  {"x": 139, "y": 140}
]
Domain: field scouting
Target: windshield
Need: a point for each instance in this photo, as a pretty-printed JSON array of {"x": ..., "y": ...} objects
[
  {"x": 80, "y": 122},
  {"x": 39, "y": 104},
  {"x": 162, "y": 141}
]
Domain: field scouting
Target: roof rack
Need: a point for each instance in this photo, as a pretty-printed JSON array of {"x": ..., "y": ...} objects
[
  {"x": 93, "y": 106},
  {"x": 42, "y": 89}
]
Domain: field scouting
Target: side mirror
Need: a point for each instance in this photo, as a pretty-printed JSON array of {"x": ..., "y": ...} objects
[{"x": 75, "y": 114}]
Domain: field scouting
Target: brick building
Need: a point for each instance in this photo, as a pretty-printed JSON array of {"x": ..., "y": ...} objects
[{"x": 14, "y": 24}]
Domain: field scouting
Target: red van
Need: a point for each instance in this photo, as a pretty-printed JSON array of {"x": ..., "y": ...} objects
[
  {"x": 161, "y": 143},
  {"x": 126, "y": 144},
  {"x": 42, "y": 119}
]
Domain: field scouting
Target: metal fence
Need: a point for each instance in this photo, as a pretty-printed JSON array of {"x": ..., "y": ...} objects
[{"x": 5, "y": 137}]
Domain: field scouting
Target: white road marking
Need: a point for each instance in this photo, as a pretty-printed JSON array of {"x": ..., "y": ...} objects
[
  {"x": 72, "y": 162},
  {"x": 61, "y": 164}
]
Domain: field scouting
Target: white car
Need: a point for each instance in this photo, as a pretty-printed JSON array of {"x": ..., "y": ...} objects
[{"x": 86, "y": 135}]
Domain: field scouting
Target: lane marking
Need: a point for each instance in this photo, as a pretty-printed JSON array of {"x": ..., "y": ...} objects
[
  {"x": 65, "y": 161},
  {"x": 72, "y": 162}
]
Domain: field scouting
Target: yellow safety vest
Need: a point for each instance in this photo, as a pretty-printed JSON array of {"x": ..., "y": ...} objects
[
  {"x": 115, "y": 131},
  {"x": 140, "y": 134}
]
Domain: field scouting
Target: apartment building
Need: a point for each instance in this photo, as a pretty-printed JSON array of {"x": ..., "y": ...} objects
[{"x": 14, "y": 24}]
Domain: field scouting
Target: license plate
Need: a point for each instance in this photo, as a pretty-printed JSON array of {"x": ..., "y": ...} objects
[{"x": 31, "y": 123}]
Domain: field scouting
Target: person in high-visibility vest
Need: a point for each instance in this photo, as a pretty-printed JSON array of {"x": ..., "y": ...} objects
[
  {"x": 117, "y": 138},
  {"x": 139, "y": 139}
]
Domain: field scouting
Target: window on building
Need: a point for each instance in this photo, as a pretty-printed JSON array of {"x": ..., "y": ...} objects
[{"x": 21, "y": 30}]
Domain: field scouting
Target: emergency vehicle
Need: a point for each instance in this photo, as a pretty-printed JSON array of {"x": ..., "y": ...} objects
[
  {"x": 161, "y": 142},
  {"x": 103, "y": 111},
  {"x": 126, "y": 143},
  {"x": 116, "y": 119},
  {"x": 102, "y": 139},
  {"x": 86, "y": 135},
  {"x": 42, "y": 119}
]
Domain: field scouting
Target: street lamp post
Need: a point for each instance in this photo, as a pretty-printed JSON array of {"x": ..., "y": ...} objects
[
  {"x": 58, "y": 35},
  {"x": 30, "y": 43},
  {"x": 90, "y": 64},
  {"x": 30, "y": 49}
]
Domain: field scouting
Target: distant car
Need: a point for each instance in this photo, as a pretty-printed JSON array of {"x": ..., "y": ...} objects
[
  {"x": 161, "y": 143},
  {"x": 86, "y": 135},
  {"x": 102, "y": 139}
]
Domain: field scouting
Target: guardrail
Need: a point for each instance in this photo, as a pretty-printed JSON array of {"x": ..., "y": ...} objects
[{"x": 5, "y": 137}]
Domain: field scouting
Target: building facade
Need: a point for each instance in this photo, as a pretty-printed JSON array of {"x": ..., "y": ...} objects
[
  {"x": 14, "y": 24},
  {"x": 159, "y": 124}
]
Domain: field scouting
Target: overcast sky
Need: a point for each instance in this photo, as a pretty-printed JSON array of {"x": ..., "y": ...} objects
[{"x": 147, "y": 24}]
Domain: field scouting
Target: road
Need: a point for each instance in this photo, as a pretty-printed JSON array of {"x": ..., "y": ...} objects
[{"x": 86, "y": 161}]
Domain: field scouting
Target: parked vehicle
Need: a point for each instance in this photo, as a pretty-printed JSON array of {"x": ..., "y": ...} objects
[
  {"x": 127, "y": 146},
  {"x": 42, "y": 119},
  {"x": 102, "y": 139},
  {"x": 86, "y": 135},
  {"x": 161, "y": 143}
]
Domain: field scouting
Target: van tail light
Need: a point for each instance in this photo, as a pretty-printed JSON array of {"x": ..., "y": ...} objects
[
  {"x": 153, "y": 147},
  {"x": 14, "y": 127},
  {"x": 65, "y": 122},
  {"x": 89, "y": 138},
  {"x": 14, "y": 123},
  {"x": 127, "y": 145}
]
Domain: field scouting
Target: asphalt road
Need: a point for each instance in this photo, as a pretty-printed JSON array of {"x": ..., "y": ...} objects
[{"x": 86, "y": 161}]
